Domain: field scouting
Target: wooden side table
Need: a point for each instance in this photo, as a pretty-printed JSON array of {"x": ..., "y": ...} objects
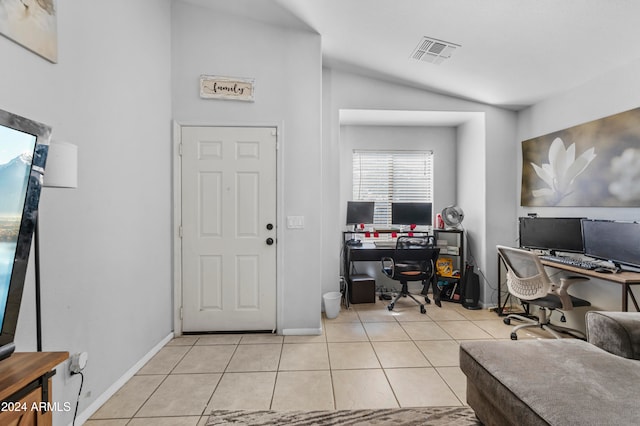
[{"x": 25, "y": 388}]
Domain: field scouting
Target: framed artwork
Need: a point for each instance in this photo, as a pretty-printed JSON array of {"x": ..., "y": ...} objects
[
  {"x": 32, "y": 24},
  {"x": 595, "y": 164}
]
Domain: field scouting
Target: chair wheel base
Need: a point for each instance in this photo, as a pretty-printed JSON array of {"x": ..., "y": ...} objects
[
  {"x": 390, "y": 306},
  {"x": 507, "y": 321},
  {"x": 427, "y": 300},
  {"x": 422, "y": 309},
  {"x": 514, "y": 336}
]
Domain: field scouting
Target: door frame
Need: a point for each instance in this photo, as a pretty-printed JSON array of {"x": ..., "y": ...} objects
[{"x": 177, "y": 215}]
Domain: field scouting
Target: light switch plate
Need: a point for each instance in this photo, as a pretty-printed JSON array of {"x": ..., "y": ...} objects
[{"x": 295, "y": 222}]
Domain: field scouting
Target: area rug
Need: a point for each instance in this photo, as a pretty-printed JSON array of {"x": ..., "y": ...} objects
[{"x": 436, "y": 416}]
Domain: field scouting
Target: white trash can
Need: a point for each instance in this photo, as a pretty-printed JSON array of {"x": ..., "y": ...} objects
[{"x": 332, "y": 304}]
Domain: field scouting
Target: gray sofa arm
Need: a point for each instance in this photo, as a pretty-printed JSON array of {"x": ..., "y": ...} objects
[{"x": 615, "y": 332}]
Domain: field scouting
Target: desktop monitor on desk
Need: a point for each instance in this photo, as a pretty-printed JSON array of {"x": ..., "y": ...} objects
[
  {"x": 616, "y": 242},
  {"x": 411, "y": 213},
  {"x": 360, "y": 212},
  {"x": 557, "y": 234}
]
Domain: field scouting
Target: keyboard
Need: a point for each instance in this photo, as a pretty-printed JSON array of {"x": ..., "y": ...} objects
[
  {"x": 578, "y": 263},
  {"x": 385, "y": 243}
]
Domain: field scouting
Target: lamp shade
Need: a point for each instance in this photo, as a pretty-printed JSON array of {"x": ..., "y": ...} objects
[{"x": 61, "y": 170}]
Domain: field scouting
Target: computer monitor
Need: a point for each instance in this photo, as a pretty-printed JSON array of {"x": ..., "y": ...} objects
[
  {"x": 360, "y": 212},
  {"x": 617, "y": 242},
  {"x": 411, "y": 213},
  {"x": 551, "y": 233}
]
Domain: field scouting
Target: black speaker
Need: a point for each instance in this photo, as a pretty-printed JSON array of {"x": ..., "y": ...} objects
[{"x": 470, "y": 288}]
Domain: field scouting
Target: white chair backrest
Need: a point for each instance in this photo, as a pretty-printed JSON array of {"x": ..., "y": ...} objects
[{"x": 526, "y": 277}]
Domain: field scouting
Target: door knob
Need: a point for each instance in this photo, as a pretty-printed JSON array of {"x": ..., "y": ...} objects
[
  {"x": 269, "y": 241},
  {"x": 269, "y": 226}
]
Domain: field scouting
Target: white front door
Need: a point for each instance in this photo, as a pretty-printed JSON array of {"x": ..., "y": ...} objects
[{"x": 228, "y": 226}]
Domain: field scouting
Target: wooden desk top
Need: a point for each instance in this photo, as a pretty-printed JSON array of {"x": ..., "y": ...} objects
[
  {"x": 620, "y": 277},
  {"x": 21, "y": 368}
]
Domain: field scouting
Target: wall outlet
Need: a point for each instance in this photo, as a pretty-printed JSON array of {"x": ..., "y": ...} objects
[{"x": 77, "y": 362}]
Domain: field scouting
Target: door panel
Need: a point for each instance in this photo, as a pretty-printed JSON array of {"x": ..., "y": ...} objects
[{"x": 228, "y": 198}]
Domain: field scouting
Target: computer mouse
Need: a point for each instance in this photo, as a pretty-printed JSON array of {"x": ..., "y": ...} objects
[{"x": 603, "y": 270}]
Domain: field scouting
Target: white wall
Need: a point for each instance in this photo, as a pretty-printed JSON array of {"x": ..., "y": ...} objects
[
  {"x": 607, "y": 95},
  {"x": 476, "y": 164},
  {"x": 106, "y": 246},
  {"x": 286, "y": 65}
]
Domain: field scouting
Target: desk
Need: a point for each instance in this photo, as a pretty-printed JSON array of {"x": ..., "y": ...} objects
[
  {"x": 625, "y": 279},
  {"x": 369, "y": 252},
  {"x": 24, "y": 380}
]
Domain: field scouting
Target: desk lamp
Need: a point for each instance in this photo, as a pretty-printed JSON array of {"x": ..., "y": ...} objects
[{"x": 61, "y": 171}]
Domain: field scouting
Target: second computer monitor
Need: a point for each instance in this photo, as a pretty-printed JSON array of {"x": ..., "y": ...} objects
[
  {"x": 411, "y": 213},
  {"x": 552, "y": 233}
]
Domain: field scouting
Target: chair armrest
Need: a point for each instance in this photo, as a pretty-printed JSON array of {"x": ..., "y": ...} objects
[
  {"x": 387, "y": 265},
  {"x": 615, "y": 332},
  {"x": 562, "y": 293}
]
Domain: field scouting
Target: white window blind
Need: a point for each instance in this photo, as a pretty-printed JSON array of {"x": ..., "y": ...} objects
[{"x": 387, "y": 176}]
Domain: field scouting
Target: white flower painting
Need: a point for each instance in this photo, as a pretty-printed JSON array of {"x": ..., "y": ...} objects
[
  {"x": 595, "y": 164},
  {"x": 562, "y": 170}
]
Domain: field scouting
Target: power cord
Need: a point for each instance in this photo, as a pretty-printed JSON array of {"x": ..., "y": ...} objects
[{"x": 75, "y": 414}]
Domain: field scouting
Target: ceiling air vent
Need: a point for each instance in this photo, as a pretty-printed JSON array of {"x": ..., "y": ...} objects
[{"x": 433, "y": 50}]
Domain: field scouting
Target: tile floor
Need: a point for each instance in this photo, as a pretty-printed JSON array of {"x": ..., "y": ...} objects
[{"x": 367, "y": 357}]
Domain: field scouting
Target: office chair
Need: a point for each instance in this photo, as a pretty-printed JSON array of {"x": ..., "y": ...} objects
[
  {"x": 414, "y": 259},
  {"x": 528, "y": 281}
]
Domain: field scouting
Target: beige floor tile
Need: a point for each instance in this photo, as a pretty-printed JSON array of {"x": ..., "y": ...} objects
[
  {"x": 264, "y": 357},
  {"x": 306, "y": 339},
  {"x": 377, "y": 315},
  {"x": 181, "y": 395},
  {"x": 376, "y": 306},
  {"x": 462, "y": 330},
  {"x": 420, "y": 387},
  {"x": 165, "y": 421},
  {"x": 345, "y": 315},
  {"x": 304, "y": 356},
  {"x": 243, "y": 391},
  {"x": 476, "y": 314},
  {"x": 303, "y": 390},
  {"x": 205, "y": 359},
  {"x": 110, "y": 422},
  {"x": 219, "y": 339},
  {"x": 412, "y": 313},
  {"x": 441, "y": 353},
  {"x": 345, "y": 332},
  {"x": 203, "y": 420},
  {"x": 399, "y": 354},
  {"x": 385, "y": 331},
  {"x": 165, "y": 360},
  {"x": 250, "y": 339},
  {"x": 354, "y": 389},
  {"x": 444, "y": 314},
  {"x": 352, "y": 355},
  {"x": 129, "y": 398},
  {"x": 425, "y": 331},
  {"x": 495, "y": 327},
  {"x": 183, "y": 341},
  {"x": 457, "y": 381}
]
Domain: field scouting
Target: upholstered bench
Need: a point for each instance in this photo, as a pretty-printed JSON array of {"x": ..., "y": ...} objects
[{"x": 559, "y": 381}]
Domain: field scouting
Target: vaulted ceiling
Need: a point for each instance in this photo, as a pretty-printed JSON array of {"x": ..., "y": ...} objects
[{"x": 509, "y": 53}]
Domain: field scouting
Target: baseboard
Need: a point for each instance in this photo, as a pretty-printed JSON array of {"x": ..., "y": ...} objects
[
  {"x": 302, "y": 331},
  {"x": 98, "y": 402}
]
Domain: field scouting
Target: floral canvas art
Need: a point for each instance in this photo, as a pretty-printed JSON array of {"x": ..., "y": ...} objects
[
  {"x": 32, "y": 24},
  {"x": 595, "y": 164}
]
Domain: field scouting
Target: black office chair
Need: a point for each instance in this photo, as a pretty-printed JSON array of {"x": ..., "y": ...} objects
[
  {"x": 528, "y": 281},
  {"x": 414, "y": 259}
]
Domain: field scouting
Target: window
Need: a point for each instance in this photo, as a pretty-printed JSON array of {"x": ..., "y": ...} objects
[{"x": 387, "y": 176}]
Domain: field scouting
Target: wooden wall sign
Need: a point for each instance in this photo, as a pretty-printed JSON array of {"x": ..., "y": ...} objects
[{"x": 228, "y": 88}]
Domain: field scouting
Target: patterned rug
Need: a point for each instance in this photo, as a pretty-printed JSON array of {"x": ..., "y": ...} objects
[{"x": 436, "y": 416}]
